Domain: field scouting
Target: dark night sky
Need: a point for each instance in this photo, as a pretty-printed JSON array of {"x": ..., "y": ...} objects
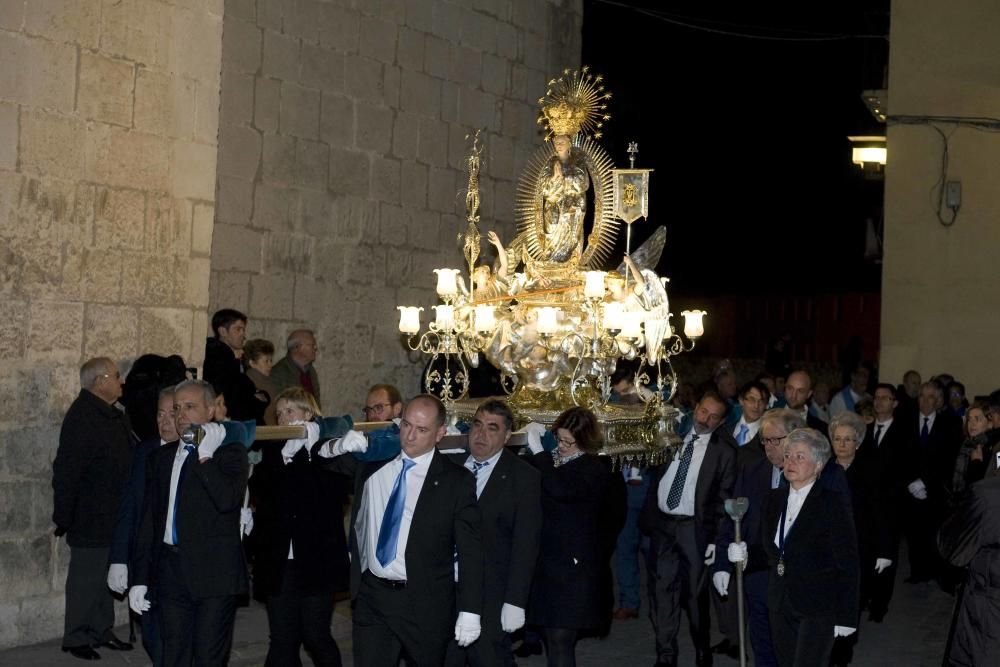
[{"x": 747, "y": 137}]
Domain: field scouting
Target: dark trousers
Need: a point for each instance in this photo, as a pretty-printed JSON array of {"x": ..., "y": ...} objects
[
  {"x": 492, "y": 649},
  {"x": 152, "y": 641},
  {"x": 90, "y": 611},
  {"x": 920, "y": 527},
  {"x": 727, "y": 609},
  {"x": 677, "y": 580},
  {"x": 196, "y": 631},
  {"x": 296, "y": 617},
  {"x": 755, "y": 585},
  {"x": 385, "y": 627},
  {"x": 801, "y": 641}
]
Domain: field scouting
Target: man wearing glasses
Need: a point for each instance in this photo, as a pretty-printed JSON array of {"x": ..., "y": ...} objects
[{"x": 384, "y": 403}]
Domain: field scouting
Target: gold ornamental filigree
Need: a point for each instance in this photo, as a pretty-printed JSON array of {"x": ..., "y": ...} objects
[{"x": 574, "y": 103}]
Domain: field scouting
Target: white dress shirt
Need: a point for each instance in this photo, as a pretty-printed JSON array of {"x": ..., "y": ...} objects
[
  {"x": 930, "y": 422},
  {"x": 179, "y": 458},
  {"x": 881, "y": 433},
  {"x": 484, "y": 472},
  {"x": 378, "y": 488},
  {"x": 792, "y": 509},
  {"x": 686, "y": 505}
]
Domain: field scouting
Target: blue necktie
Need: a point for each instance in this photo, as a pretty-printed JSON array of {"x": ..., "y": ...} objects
[
  {"x": 741, "y": 437},
  {"x": 925, "y": 433},
  {"x": 477, "y": 466},
  {"x": 388, "y": 534},
  {"x": 677, "y": 486},
  {"x": 177, "y": 493}
]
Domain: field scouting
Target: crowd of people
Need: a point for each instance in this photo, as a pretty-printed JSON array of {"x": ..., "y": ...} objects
[{"x": 449, "y": 554}]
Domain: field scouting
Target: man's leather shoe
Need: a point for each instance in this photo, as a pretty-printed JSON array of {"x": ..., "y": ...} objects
[
  {"x": 703, "y": 658},
  {"x": 82, "y": 652},
  {"x": 527, "y": 649},
  {"x": 114, "y": 644},
  {"x": 624, "y": 613}
]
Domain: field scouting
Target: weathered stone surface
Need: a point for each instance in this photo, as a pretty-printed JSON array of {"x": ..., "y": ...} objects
[
  {"x": 301, "y": 19},
  {"x": 166, "y": 330},
  {"x": 37, "y": 72},
  {"x": 126, "y": 158},
  {"x": 201, "y": 228},
  {"x": 322, "y": 68},
  {"x": 26, "y": 566},
  {"x": 136, "y": 30},
  {"x": 196, "y": 45},
  {"x": 364, "y": 78},
  {"x": 235, "y": 248},
  {"x": 193, "y": 169},
  {"x": 52, "y": 145},
  {"x": 466, "y": 66},
  {"x": 267, "y": 104},
  {"x": 13, "y": 328},
  {"x": 238, "y": 102},
  {"x": 279, "y": 158},
  {"x": 393, "y": 222},
  {"x": 494, "y": 74},
  {"x": 110, "y": 331},
  {"x": 433, "y": 147},
  {"x": 272, "y": 296},
  {"x": 8, "y": 136},
  {"x": 11, "y": 18},
  {"x": 443, "y": 192},
  {"x": 120, "y": 219},
  {"x": 234, "y": 200},
  {"x": 239, "y": 151},
  {"x": 274, "y": 207},
  {"x": 447, "y": 19},
  {"x": 147, "y": 279},
  {"x": 288, "y": 253},
  {"x": 410, "y": 49},
  {"x": 378, "y": 39},
  {"x": 413, "y": 190},
  {"x": 337, "y": 121},
  {"x": 339, "y": 28},
  {"x": 420, "y": 93},
  {"x": 299, "y": 111},
  {"x": 164, "y": 104},
  {"x": 374, "y": 128},
  {"x": 269, "y": 14},
  {"x": 349, "y": 172},
  {"x": 106, "y": 87},
  {"x": 55, "y": 331},
  {"x": 311, "y": 163},
  {"x": 281, "y": 56},
  {"x": 386, "y": 179},
  {"x": 168, "y": 226}
]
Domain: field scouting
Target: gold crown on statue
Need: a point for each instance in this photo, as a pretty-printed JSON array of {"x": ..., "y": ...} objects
[{"x": 574, "y": 103}]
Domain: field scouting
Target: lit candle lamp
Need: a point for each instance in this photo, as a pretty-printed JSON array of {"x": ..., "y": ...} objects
[
  {"x": 631, "y": 325},
  {"x": 693, "y": 326},
  {"x": 446, "y": 284},
  {"x": 409, "y": 319},
  {"x": 593, "y": 288},
  {"x": 548, "y": 320},
  {"x": 614, "y": 316},
  {"x": 445, "y": 318},
  {"x": 485, "y": 320}
]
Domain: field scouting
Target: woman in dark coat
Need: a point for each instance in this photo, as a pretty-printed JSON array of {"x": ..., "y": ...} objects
[
  {"x": 812, "y": 551},
  {"x": 874, "y": 524},
  {"x": 300, "y": 549},
  {"x": 583, "y": 510}
]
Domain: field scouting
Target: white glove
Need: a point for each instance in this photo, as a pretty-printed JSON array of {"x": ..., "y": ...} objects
[
  {"x": 917, "y": 489},
  {"x": 843, "y": 631},
  {"x": 511, "y": 617},
  {"x": 737, "y": 552},
  {"x": 397, "y": 420},
  {"x": 293, "y": 446},
  {"x": 118, "y": 577},
  {"x": 137, "y": 599},
  {"x": 466, "y": 628},
  {"x": 353, "y": 441},
  {"x": 535, "y": 431},
  {"x": 710, "y": 554},
  {"x": 210, "y": 441},
  {"x": 881, "y": 564},
  {"x": 721, "y": 582},
  {"x": 246, "y": 520}
]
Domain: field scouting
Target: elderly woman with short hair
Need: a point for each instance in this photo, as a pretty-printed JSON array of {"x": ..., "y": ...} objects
[
  {"x": 813, "y": 556},
  {"x": 873, "y": 509}
]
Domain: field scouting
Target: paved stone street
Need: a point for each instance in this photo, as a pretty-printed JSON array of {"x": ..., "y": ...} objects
[{"x": 913, "y": 634}]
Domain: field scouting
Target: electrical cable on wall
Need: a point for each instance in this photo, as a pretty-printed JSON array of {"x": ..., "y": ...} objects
[{"x": 978, "y": 123}]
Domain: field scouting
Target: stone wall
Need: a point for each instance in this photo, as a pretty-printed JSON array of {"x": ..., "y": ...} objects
[
  {"x": 108, "y": 128},
  {"x": 340, "y": 174}
]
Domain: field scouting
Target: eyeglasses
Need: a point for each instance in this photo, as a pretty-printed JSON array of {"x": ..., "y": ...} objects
[
  {"x": 773, "y": 441},
  {"x": 375, "y": 409},
  {"x": 566, "y": 443}
]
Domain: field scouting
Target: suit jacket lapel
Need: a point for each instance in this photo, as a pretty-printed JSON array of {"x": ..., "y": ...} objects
[
  {"x": 427, "y": 494},
  {"x": 705, "y": 473},
  {"x": 498, "y": 478}
]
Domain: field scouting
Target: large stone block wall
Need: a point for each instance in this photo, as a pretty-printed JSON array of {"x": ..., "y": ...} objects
[
  {"x": 108, "y": 132},
  {"x": 341, "y": 149}
]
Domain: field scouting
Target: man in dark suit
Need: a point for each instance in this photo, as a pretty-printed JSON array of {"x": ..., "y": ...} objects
[
  {"x": 88, "y": 475},
  {"x": 798, "y": 391},
  {"x": 509, "y": 495},
  {"x": 296, "y": 369},
  {"x": 885, "y": 444},
  {"x": 414, "y": 515},
  {"x": 683, "y": 514},
  {"x": 934, "y": 439},
  {"x": 130, "y": 515},
  {"x": 223, "y": 366},
  {"x": 188, "y": 556}
]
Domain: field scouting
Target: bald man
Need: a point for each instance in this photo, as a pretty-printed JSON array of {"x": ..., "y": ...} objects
[
  {"x": 296, "y": 369},
  {"x": 798, "y": 392}
]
